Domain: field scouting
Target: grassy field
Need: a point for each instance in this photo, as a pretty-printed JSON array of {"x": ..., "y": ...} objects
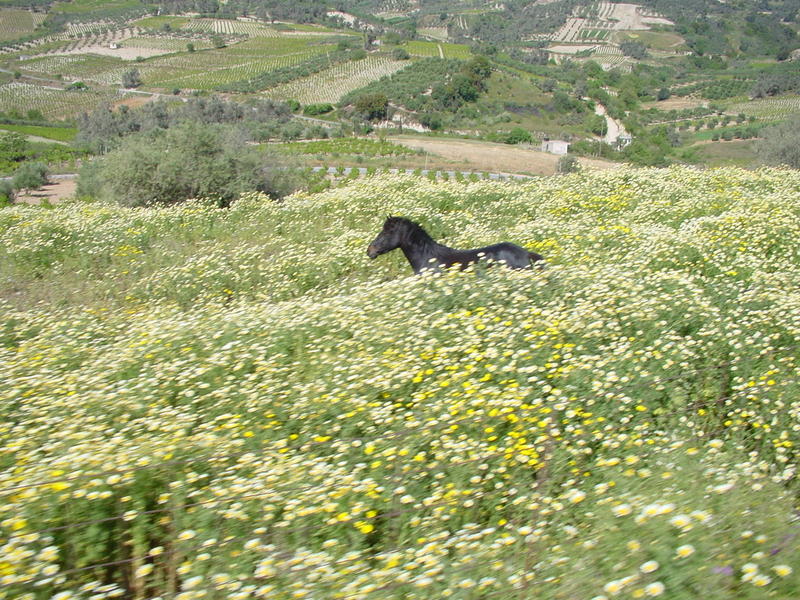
[
  {"x": 60, "y": 134},
  {"x": 656, "y": 40},
  {"x": 441, "y": 50},
  {"x": 237, "y": 403},
  {"x": 725, "y": 154},
  {"x": 360, "y": 146}
]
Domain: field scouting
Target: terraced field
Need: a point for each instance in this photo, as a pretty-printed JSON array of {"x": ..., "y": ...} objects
[
  {"x": 610, "y": 57},
  {"x": 54, "y": 103},
  {"x": 206, "y": 70},
  {"x": 228, "y": 26},
  {"x": 203, "y": 69},
  {"x": 768, "y": 108},
  {"x": 165, "y": 43},
  {"x": 84, "y": 67},
  {"x": 16, "y": 23},
  {"x": 331, "y": 84},
  {"x": 439, "y": 50}
]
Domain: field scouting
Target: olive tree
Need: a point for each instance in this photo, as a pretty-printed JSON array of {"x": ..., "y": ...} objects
[{"x": 185, "y": 161}]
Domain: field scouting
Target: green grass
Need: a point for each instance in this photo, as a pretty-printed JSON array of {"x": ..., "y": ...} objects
[
  {"x": 361, "y": 146},
  {"x": 738, "y": 153},
  {"x": 260, "y": 409},
  {"x": 61, "y": 134},
  {"x": 708, "y": 134},
  {"x": 420, "y": 48},
  {"x": 656, "y": 40}
]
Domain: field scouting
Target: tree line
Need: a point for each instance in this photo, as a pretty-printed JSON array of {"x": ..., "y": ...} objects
[{"x": 104, "y": 129}]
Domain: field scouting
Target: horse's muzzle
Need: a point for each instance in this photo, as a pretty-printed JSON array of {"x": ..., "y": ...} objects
[{"x": 372, "y": 252}]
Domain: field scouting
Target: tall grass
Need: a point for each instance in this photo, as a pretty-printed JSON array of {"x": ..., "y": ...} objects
[{"x": 238, "y": 403}]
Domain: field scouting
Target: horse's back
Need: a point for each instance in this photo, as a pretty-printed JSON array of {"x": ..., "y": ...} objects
[{"x": 512, "y": 255}]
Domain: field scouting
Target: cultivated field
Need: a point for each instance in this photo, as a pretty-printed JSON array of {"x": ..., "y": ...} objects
[
  {"x": 768, "y": 108},
  {"x": 206, "y": 70},
  {"x": 54, "y": 103},
  {"x": 419, "y": 48},
  {"x": 604, "y": 24},
  {"x": 15, "y": 23},
  {"x": 234, "y": 403},
  {"x": 331, "y": 84},
  {"x": 227, "y": 26}
]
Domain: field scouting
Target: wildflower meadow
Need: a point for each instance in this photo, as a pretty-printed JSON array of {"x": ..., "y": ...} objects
[{"x": 203, "y": 402}]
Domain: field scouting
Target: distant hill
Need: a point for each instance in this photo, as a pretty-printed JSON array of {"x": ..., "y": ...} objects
[{"x": 676, "y": 75}]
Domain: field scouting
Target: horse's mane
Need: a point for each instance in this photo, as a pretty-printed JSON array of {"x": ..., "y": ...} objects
[{"x": 415, "y": 234}]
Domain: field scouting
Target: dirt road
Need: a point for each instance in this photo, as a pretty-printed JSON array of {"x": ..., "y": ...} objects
[{"x": 495, "y": 158}]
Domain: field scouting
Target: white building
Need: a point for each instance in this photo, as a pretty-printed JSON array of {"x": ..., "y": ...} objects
[{"x": 555, "y": 147}]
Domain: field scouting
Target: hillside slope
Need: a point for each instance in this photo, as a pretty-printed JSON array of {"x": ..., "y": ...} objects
[{"x": 238, "y": 403}]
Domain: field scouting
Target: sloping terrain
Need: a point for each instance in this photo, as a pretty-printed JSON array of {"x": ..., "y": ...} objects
[{"x": 233, "y": 403}]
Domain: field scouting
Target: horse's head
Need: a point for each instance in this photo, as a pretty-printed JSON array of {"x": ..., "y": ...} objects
[{"x": 390, "y": 237}]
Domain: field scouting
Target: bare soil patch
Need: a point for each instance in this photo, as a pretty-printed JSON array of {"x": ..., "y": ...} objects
[
  {"x": 630, "y": 16},
  {"x": 675, "y": 103},
  {"x": 495, "y": 158},
  {"x": 134, "y": 101},
  {"x": 52, "y": 192}
]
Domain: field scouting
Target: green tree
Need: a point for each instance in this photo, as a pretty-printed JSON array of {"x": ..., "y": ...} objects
[
  {"x": 518, "y": 135},
  {"x": 13, "y": 146},
  {"x": 372, "y": 107},
  {"x": 633, "y": 49},
  {"x": 30, "y": 176},
  {"x": 131, "y": 78},
  {"x": 185, "y": 161},
  {"x": 598, "y": 125},
  {"x": 568, "y": 164},
  {"x": 400, "y": 54},
  {"x": 6, "y": 193},
  {"x": 780, "y": 144},
  {"x": 478, "y": 70},
  {"x": 465, "y": 87},
  {"x": 431, "y": 120}
]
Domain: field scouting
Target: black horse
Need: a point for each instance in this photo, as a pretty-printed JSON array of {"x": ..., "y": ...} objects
[{"x": 423, "y": 253}]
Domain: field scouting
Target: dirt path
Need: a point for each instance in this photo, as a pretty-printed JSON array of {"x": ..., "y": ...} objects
[
  {"x": 495, "y": 158},
  {"x": 52, "y": 192},
  {"x": 614, "y": 128}
]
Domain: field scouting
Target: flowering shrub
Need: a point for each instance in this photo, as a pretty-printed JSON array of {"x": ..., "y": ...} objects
[{"x": 239, "y": 403}]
